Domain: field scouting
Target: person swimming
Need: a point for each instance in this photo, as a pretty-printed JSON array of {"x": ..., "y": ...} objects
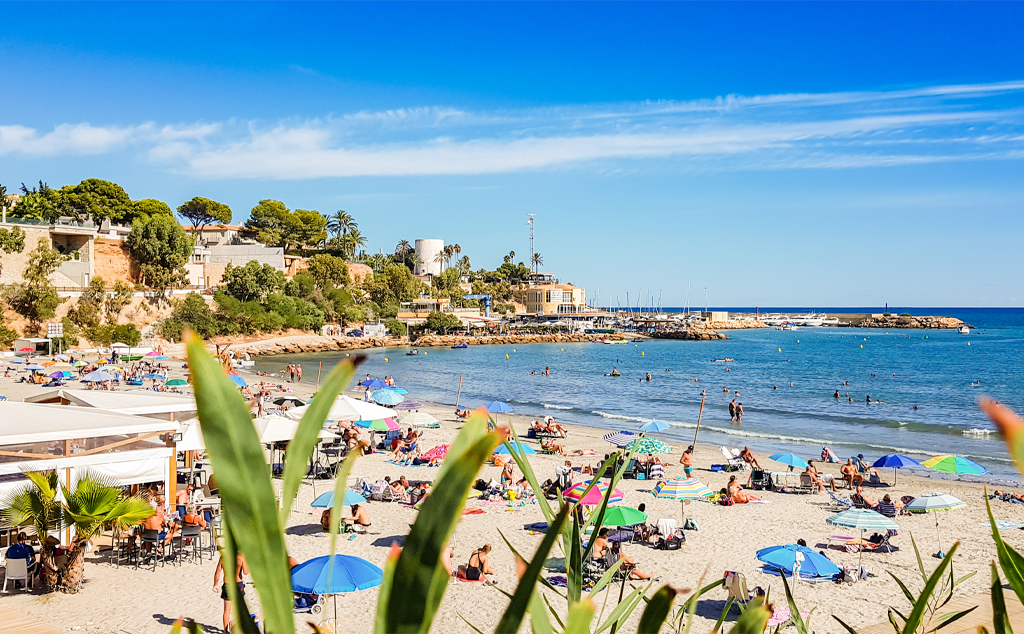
[
  {"x": 614, "y": 372},
  {"x": 836, "y": 395}
]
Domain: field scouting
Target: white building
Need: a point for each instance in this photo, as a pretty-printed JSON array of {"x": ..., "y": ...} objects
[{"x": 427, "y": 251}]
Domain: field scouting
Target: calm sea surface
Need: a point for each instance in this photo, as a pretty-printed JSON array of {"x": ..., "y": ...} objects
[{"x": 898, "y": 368}]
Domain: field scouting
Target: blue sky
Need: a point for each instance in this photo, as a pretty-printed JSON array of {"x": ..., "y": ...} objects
[{"x": 808, "y": 154}]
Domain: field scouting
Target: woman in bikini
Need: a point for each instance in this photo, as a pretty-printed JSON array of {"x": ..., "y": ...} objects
[{"x": 477, "y": 571}]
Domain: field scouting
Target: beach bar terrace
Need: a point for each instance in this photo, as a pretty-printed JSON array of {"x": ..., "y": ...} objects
[{"x": 126, "y": 449}]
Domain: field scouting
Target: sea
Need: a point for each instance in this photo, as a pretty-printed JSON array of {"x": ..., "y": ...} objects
[{"x": 924, "y": 384}]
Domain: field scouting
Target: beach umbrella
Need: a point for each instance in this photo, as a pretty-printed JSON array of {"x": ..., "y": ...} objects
[
  {"x": 498, "y": 406},
  {"x": 623, "y": 516},
  {"x": 48, "y": 363},
  {"x": 381, "y": 424},
  {"x": 289, "y": 400},
  {"x": 864, "y": 519},
  {"x": 620, "y": 438},
  {"x": 784, "y": 558},
  {"x": 26, "y": 349},
  {"x": 520, "y": 448},
  {"x": 654, "y": 425},
  {"x": 79, "y": 363},
  {"x": 395, "y": 388},
  {"x": 595, "y": 496},
  {"x": 387, "y": 397},
  {"x": 682, "y": 489},
  {"x": 152, "y": 376},
  {"x": 19, "y": 360},
  {"x": 954, "y": 464},
  {"x": 933, "y": 502},
  {"x": 97, "y": 376},
  {"x": 895, "y": 461},
  {"x": 61, "y": 357},
  {"x": 63, "y": 374},
  {"x": 374, "y": 383},
  {"x": 111, "y": 368},
  {"x": 176, "y": 382},
  {"x": 408, "y": 405},
  {"x": 160, "y": 358},
  {"x": 417, "y": 418},
  {"x": 437, "y": 453},
  {"x": 326, "y": 500},
  {"x": 34, "y": 366},
  {"x": 119, "y": 345},
  {"x": 237, "y": 380},
  {"x": 152, "y": 353},
  {"x": 790, "y": 459},
  {"x": 647, "y": 445},
  {"x": 346, "y": 408},
  {"x": 335, "y": 574}
]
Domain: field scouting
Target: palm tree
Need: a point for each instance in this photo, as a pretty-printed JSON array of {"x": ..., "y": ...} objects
[
  {"x": 341, "y": 224},
  {"x": 464, "y": 266},
  {"x": 403, "y": 249},
  {"x": 537, "y": 261},
  {"x": 351, "y": 241},
  {"x": 95, "y": 504},
  {"x": 456, "y": 250}
]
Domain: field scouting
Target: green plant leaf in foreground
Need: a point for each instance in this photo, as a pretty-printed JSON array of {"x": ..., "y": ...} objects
[
  {"x": 579, "y": 617},
  {"x": 417, "y": 581},
  {"x": 250, "y": 509},
  {"x": 802, "y": 626},
  {"x": 339, "y": 500},
  {"x": 521, "y": 599},
  {"x": 307, "y": 435},
  {"x": 917, "y": 613},
  {"x": 1000, "y": 618},
  {"x": 657, "y": 610},
  {"x": 753, "y": 619}
]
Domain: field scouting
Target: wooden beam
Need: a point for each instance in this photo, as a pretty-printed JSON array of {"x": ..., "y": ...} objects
[
  {"x": 21, "y": 454},
  {"x": 120, "y": 443}
]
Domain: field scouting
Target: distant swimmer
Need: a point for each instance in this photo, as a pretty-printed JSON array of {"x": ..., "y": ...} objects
[
  {"x": 847, "y": 393},
  {"x": 648, "y": 377},
  {"x": 868, "y": 400},
  {"x": 547, "y": 370},
  {"x": 736, "y": 394},
  {"x": 703, "y": 392},
  {"x": 666, "y": 369},
  {"x": 614, "y": 372},
  {"x": 790, "y": 385},
  {"x": 775, "y": 387},
  {"x": 534, "y": 373},
  {"x": 850, "y": 399},
  {"x": 846, "y": 382},
  {"x": 728, "y": 369},
  {"x": 836, "y": 395},
  {"x": 739, "y": 412},
  {"x": 915, "y": 408},
  {"x": 725, "y": 389}
]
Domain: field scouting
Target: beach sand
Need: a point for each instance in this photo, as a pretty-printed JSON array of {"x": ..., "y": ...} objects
[{"x": 144, "y": 601}]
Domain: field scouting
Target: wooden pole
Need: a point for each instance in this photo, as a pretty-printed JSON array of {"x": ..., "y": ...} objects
[
  {"x": 699, "y": 416},
  {"x": 318, "y": 371},
  {"x": 459, "y": 394}
]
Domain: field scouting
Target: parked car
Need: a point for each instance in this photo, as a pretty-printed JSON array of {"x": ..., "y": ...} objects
[{"x": 355, "y": 333}]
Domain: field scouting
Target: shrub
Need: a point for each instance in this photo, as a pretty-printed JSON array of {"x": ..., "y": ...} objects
[
  {"x": 192, "y": 313},
  {"x": 905, "y": 315},
  {"x": 886, "y": 314},
  {"x": 395, "y": 327}
]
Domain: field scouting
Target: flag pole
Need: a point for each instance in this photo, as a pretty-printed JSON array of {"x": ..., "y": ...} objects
[
  {"x": 699, "y": 416},
  {"x": 457, "y": 397},
  {"x": 318, "y": 371}
]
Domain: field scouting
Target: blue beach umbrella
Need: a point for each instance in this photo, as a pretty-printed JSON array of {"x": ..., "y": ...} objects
[
  {"x": 654, "y": 425},
  {"x": 790, "y": 459},
  {"x": 387, "y": 397},
  {"x": 16, "y": 360},
  {"x": 34, "y": 366},
  {"x": 895, "y": 461},
  {"x": 327, "y": 499},
  {"x": 335, "y": 575},
  {"x": 61, "y": 374},
  {"x": 237, "y": 380},
  {"x": 152, "y": 376},
  {"x": 97, "y": 376},
  {"x": 396, "y": 389},
  {"x": 520, "y": 448},
  {"x": 498, "y": 406},
  {"x": 783, "y": 558},
  {"x": 374, "y": 383},
  {"x": 620, "y": 438}
]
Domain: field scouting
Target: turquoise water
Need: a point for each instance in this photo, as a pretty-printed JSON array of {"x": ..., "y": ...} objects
[{"x": 900, "y": 368}]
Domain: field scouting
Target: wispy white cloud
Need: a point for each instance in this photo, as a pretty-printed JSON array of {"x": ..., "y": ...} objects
[{"x": 791, "y": 131}]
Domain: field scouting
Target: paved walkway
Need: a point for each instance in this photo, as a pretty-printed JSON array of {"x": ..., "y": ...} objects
[{"x": 968, "y": 624}]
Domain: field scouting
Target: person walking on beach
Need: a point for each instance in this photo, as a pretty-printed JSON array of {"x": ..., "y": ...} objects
[
  {"x": 298, "y": 372},
  {"x": 732, "y": 410},
  {"x": 687, "y": 461},
  {"x": 739, "y": 412},
  {"x": 241, "y": 569}
]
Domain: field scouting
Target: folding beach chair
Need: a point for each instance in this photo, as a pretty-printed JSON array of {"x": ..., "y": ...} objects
[
  {"x": 888, "y": 510},
  {"x": 806, "y": 484},
  {"x": 838, "y": 503},
  {"x": 733, "y": 460},
  {"x": 736, "y": 584}
]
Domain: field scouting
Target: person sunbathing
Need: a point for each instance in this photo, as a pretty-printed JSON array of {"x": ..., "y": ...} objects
[
  {"x": 735, "y": 491},
  {"x": 628, "y": 563},
  {"x": 506, "y": 473},
  {"x": 864, "y": 467},
  {"x": 749, "y": 458},
  {"x": 477, "y": 571},
  {"x": 816, "y": 478},
  {"x": 461, "y": 412},
  {"x": 359, "y": 517},
  {"x": 1008, "y": 496},
  {"x": 600, "y": 544},
  {"x": 550, "y": 445},
  {"x": 862, "y": 500},
  {"x": 851, "y": 475}
]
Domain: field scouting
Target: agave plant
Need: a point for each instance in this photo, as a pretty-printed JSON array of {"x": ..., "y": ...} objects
[{"x": 94, "y": 504}]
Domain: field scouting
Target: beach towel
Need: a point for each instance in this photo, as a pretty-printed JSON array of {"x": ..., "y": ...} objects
[
  {"x": 1002, "y": 524},
  {"x": 782, "y": 615},
  {"x": 472, "y": 511}
]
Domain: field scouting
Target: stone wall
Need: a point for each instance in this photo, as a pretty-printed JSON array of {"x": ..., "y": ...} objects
[
  {"x": 13, "y": 264},
  {"x": 923, "y": 322}
]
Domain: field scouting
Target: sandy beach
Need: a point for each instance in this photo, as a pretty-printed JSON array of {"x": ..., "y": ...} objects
[{"x": 143, "y": 601}]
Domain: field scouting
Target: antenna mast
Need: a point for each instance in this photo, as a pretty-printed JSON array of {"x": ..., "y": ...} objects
[{"x": 533, "y": 265}]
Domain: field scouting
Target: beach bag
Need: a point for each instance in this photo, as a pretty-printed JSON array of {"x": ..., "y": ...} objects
[
  {"x": 673, "y": 542},
  {"x": 690, "y": 525},
  {"x": 726, "y": 501}
]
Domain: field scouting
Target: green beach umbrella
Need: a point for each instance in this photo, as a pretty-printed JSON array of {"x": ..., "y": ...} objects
[
  {"x": 932, "y": 503},
  {"x": 623, "y": 516},
  {"x": 648, "y": 445},
  {"x": 954, "y": 464},
  {"x": 176, "y": 382},
  {"x": 865, "y": 520}
]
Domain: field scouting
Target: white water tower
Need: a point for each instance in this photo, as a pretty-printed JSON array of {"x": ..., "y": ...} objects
[{"x": 427, "y": 251}]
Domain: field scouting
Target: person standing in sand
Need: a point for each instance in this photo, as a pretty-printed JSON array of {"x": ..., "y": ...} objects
[
  {"x": 298, "y": 372},
  {"x": 687, "y": 461},
  {"x": 241, "y": 569}
]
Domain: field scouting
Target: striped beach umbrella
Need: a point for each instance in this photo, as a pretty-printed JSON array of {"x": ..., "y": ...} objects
[
  {"x": 387, "y": 397},
  {"x": 682, "y": 489},
  {"x": 418, "y": 419},
  {"x": 620, "y": 438},
  {"x": 954, "y": 464},
  {"x": 383, "y": 424},
  {"x": 408, "y": 405},
  {"x": 933, "y": 502},
  {"x": 865, "y": 520},
  {"x": 437, "y": 453},
  {"x": 648, "y": 445},
  {"x": 595, "y": 496}
]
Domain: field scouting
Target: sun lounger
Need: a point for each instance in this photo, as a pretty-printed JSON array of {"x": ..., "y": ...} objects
[
  {"x": 840, "y": 503},
  {"x": 838, "y": 538},
  {"x": 734, "y": 462},
  {"x": 806, "y": 484}
]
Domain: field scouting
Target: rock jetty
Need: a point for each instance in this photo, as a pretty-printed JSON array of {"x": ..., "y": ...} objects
[
  {"x": 434, "y": 341},
  {"x": 690, "y": 334},
  {"x": 313, "y": 343},
  {"x": 921, "y": 322}
]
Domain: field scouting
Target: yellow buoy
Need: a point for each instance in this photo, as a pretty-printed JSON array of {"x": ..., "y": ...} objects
[
  {"x": 513, "y": 349},
  {"x": 861, "y": 346},
  {"x": 506, "y": 356},
  {"x": 968, "y": 343},
  {"x": 641, "y": 353},
  {"x": 798, "y": 341},
  {"x": 424, "y": 353},
  {"x": 385, "y": 359},
  {"x": 563, "y": 349},
  {"x": 780, "y": 349}
]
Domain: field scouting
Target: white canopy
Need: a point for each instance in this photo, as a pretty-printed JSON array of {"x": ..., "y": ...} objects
[
  {"x": 22, "y": 423},
  {"x": 346, "y": 408},
  {"x": 191, "y": 437},
  {"x": 278, "y": 429},
  {"x": 138, "y": 403}
]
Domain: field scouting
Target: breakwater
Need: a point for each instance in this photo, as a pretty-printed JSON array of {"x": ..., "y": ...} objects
[{"x": 316, "y": 343}]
